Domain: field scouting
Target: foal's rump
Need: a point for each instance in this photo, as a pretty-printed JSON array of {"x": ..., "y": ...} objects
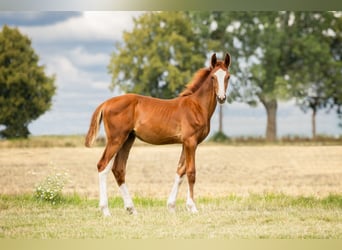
[{"x": 116, "y": 113}]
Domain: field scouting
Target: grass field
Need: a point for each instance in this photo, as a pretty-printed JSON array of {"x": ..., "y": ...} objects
[
  {"x": 256, "y": 216},
  {"x": 242, "y": 192}
]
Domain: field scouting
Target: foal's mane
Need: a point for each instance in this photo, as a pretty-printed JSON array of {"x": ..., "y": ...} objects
[
  {"x": 196, "y": 81},
  {"x": 199, "y": 78}
]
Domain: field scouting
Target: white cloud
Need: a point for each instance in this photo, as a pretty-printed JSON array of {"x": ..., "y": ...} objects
[
  {"x": 91, "y": 26},
  {"x": 81, "y": 57},
  {"x": 101, "y": 85},
  {"x": 64, "y": 69}
]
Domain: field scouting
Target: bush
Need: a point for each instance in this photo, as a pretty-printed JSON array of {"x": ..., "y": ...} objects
[
  {"x": 219, "y": 137},
  {"x": 50, "y": 189}
]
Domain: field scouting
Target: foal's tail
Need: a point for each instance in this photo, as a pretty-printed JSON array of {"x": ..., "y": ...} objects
[{"x": 94, "y": 126}]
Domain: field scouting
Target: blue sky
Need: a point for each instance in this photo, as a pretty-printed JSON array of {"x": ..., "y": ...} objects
[{"x": 76, "y": 47}]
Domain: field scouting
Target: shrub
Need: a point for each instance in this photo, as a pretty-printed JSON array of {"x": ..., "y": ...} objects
[
  {"x": 50, "y": 189},
  {"x": 220, "y": 137}
]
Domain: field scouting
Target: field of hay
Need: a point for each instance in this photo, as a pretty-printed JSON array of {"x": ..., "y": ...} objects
[
  {"x": 290, "y": 192},
  {"x": 221, "y": 170}
]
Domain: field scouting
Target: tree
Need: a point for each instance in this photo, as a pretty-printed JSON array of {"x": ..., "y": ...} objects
[
  {"x": 158, "y": 57},
  {"x": 25, "y": 90},
  {"x": 336, "y": 51},
  {"x": 317, "y": 72},
  {"x": 256, "y": 40},
  {"x": 271, "y": 51}
]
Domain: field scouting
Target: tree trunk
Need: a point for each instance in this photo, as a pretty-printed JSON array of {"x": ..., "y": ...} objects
[
  {"x": 271, "y": 127},
  {"x": 313, "y": 123},
  {"x": 220, "y": 118}
]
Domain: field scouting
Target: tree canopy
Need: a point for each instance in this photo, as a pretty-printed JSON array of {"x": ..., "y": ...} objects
[
  {"x": 158, "y": 57},
  {"x": 25, "y": 90}
]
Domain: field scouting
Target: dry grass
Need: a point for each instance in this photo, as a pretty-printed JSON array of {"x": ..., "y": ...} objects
[
  {"x": 243, "y": 192},
  {"x": 46, "y": 141},
  {"x": 221, "y": 170}
]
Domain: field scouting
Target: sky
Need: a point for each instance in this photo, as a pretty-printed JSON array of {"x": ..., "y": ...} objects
[{"x": 76, "y": 48}]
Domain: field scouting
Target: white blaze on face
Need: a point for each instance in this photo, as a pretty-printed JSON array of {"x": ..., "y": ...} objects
[{"x": 220, "y": 74}]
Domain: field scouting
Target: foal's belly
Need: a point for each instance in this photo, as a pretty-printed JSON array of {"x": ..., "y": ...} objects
[{"x": 157, "y": 134}]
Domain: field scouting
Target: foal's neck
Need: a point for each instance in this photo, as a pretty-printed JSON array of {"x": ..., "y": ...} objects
[{"x": 206, "y": 97}]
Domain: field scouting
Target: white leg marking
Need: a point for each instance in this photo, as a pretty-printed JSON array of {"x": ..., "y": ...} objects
[
  {"x": 128, "y": 203},
  {"x": 190, "y": 204},
  {"x": 171, "y": 201},
  {"x": 103, "y": 190}
]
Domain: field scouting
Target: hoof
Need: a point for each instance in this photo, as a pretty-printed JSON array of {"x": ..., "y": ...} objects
[
  {"x": 171, "y": 207},
  {"x": 105, "y": 212},
  {"x": 131, "y": 210},
  {"x": 192, "y": 208}
]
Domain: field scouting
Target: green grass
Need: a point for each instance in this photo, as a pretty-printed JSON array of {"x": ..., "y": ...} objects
[{"x": 253, "y": 217}]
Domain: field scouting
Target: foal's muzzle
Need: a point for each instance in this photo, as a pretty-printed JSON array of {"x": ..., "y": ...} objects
[{"x": 221, "y": 99}]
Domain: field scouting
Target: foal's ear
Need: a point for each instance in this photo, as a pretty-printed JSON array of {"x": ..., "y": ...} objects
[
  {"x": 213, "y": 60},
  {"x": 227, "y": 60}
]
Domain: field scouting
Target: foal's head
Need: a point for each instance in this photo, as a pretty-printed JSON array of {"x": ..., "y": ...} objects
[{"x": 220, "y": 76}]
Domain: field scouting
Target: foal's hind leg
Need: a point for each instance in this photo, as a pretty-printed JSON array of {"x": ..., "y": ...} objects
[
  {"x": 171, "y": 201},
  {"x": 103, "y": 168},
  {"x": 119, "y": 171}
]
